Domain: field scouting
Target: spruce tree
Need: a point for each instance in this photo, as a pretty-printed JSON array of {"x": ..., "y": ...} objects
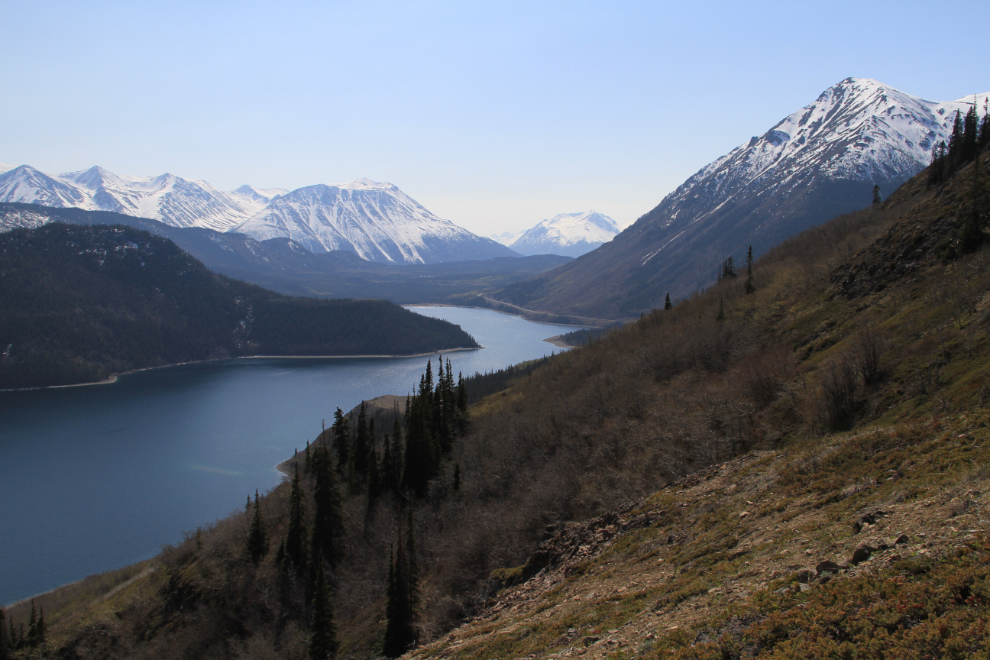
[
  {"x": 461, "y": 416},
  {"x": 323, "y": 637},
  {"x": 971, "y": 127},
  {"x": 402, "y": 596},
  {"x": 295, "y": 538},
  {"x": 40, "y": 630},
  {"x": 457, "y": 477},
  {"x": 876, "y": 194},
  {"x": 4, "y": 646},
  {"x": 341, "y": 439},
  {"x": 29, "y": 640},
  {"x": 328, "y": 521},
  {"x": 984, "y": 139},
  {"x": 398, "y": 452},
  {"x": 750, "y": 287},
  {"x": 666, "y": 303},
  {"x": 955, "y": 144},
  {"x": 374, "y": 475},
  {"x": 360, "y": 453},
  {"x": 257, "y": 537}
]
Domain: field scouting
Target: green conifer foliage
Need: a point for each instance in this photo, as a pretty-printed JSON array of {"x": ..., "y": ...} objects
[
  {"x": 361, "y": 443},
  {"x": 257, "y": 536},
  {"x": 341, "y": 439},
  {"x": 328, "y": 521},
  {"x": 323, "y": 638},
  {"x": 4, "y": 645},
  {"x": 295, "y": 538},
  {"x": 402, "y": 597},
  {"x": 876, "y": 195}
]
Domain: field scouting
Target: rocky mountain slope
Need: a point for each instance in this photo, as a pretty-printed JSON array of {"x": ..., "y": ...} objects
[
  {"x": 377, "y": 221},
  {"x": 567, "y": 234},
  {"x": 816, "y": 163}
]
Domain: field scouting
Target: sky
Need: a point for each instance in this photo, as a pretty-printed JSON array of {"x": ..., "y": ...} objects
[{"x": 494, "y": 115}]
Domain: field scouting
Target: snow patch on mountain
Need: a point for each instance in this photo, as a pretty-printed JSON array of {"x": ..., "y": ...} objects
[
  {"x": 376, "y": 220},
  {"x": 567, "y": 234}
]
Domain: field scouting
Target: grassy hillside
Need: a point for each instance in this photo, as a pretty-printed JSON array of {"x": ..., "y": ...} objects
[
  {"x": 80, "y": 303},
  {"x": 670, "y": 487}
]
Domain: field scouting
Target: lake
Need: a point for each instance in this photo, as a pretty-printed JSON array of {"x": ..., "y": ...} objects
[{"x": 97, "y": 477}]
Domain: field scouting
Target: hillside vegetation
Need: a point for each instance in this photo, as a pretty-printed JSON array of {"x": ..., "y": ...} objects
[
  {"x": 80, "y": 303},
  {"x": 672, "y": 487}
]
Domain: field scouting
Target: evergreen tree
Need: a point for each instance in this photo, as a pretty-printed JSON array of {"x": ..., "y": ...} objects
[
  {"x": 309, "y": 459},
  {"x": 257, "y": 537},
  {"x": 876, "y": 194},
  {"x": 361, "y": 442},
  {"x": 374, "y": 475},
  {"x": 398, "y": 452},
  {"x": 13, "y": 639},
  {"x": 328, "y": 521},
  {"x": 666, "y": 303},
  {"x": 750, "y": 287},
  {"x": 402, "y": 589},
  {"x": 984, "y": 139},
  {"x": 40, "y": 630},
  {"x": 955, "y": 144},
  {"x": 4, "y": 644},
  {"x": 32, "y": 626},
  {"x": 422, "y": 454},
  {"x": 971, "y": 127},
  {"x": 323, "y": 638},
  {"x": 935, "y": 167},
  {"x": 295, "y": 538},
  {"x": 721, "y": 311},
  {"x": 457, "y": 477},
  {"x": 461, "y": 416},
  {"x": 341, "y": 438}
]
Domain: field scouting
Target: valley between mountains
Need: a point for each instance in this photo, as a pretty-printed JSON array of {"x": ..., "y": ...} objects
[{"x": 789, "y": 464}]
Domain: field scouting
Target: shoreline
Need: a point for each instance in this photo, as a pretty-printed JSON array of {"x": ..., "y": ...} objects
[
  {"x": 558, "y": 342},
  {"x": 498, "y": 311},
  {"x": 113, "y": 377}
]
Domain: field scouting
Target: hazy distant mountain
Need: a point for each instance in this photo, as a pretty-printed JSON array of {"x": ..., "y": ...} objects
[
  {"x": 507, "y": 238},
  {"x": 375, "y": 220},
  {"x": 814, "y": 164},
  {"x": 567, "y": 234}
]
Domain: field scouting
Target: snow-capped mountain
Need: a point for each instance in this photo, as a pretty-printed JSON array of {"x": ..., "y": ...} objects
[
  {"x": 567, "y": 234},
  {"x": 816, "y": 163},
  {"x": 376, "y": 220},
  {"x": 168, "y": 198},
  {"x": 507, "y": 238}
]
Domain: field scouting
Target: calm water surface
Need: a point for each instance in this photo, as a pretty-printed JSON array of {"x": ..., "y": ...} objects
[{"x": 97, "y": 477}]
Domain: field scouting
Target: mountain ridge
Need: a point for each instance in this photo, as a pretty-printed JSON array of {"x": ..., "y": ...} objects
[
  {"x": 816, "y": 163},
  {"x": 567, "y": 234},
  {"x": 377, "y": 221}
]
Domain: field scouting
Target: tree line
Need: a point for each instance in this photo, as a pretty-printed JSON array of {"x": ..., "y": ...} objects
[{"x": 357, "y": 459}]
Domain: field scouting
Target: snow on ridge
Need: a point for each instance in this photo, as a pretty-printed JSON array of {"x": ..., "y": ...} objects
[{"x": 568, "y": 234}]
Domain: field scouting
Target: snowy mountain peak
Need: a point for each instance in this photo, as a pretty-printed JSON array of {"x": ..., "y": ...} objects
[
  {"x": 366, "y": 184},
  {"x": 567, "y": 234}
]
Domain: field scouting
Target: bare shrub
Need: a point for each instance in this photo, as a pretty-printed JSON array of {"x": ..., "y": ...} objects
[
  {"x": 839, "y": 381},
  {"x": 763, "y": 374},
  {"x": 869, "y": 347}
]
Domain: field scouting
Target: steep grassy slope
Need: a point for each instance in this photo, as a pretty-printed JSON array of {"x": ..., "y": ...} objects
[
  {"x": 821, "y": 406},
  {"x": 82, "y": 302}
]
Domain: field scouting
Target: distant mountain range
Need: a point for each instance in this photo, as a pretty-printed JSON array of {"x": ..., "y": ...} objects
[
  {"x": 816, "y": 163},
  {"x": 377, "y": 221},
  {"x": 566, "y": 234},
  {"x": 284, "y": 265}
]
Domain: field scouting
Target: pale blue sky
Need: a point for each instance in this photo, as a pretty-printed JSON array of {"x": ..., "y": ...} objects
[{"x": 494, "y": 115}]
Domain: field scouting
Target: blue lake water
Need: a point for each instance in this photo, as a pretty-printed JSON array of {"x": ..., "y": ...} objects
[{"x": 97, "y": 477}]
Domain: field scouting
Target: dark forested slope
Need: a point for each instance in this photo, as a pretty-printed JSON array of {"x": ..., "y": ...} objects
[{"x": 80, "y": 303}]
